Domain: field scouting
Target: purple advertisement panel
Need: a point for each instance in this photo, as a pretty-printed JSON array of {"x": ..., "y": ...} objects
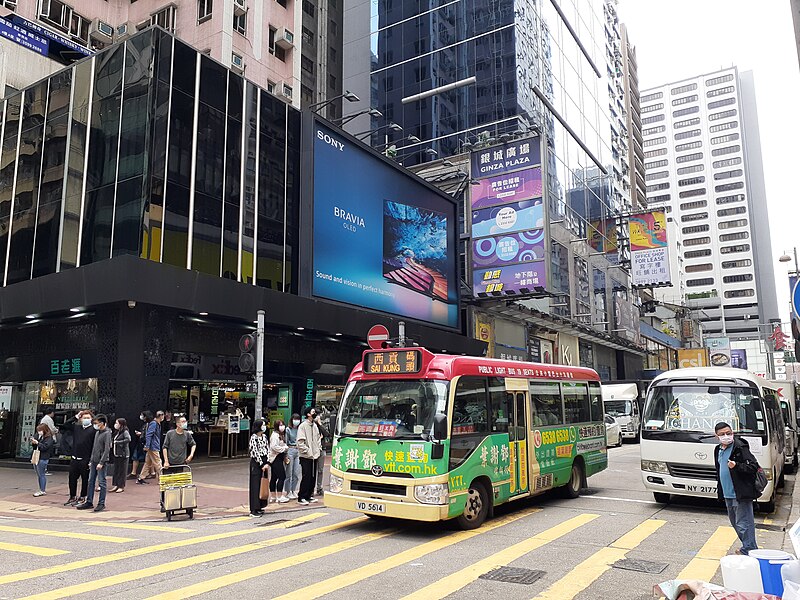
[
  {"x": 739, "y": 359},
  {"x": 508, "y": 218},
  {"x": 522, "y": 185},
  {"x": 523, "y": 247},
  {"x": 505, "y": 158},
  {"x": 509, "y": 280}
]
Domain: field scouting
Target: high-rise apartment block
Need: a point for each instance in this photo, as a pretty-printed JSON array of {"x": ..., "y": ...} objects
[
  {"x": 630, "y": 69},
  {"x": 321, "y": 55},
  {"x": 703, "y": 164}
]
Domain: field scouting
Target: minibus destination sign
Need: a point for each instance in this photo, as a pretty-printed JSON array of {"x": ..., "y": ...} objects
[{"x": 393, "y": 362}]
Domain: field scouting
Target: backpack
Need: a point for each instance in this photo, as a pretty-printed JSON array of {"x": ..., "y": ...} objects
[{"x": 761, "y": 481}]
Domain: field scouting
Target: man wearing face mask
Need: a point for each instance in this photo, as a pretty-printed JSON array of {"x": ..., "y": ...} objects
[
  {"x": 309, "y": 446},
  {"x": 83, "y": 435},
  {"x": 293, "y": 466},
  {"x": 101, "y": 449},
  {"x": 736, "y": 483},
  {"x": 179, "y": 446}
]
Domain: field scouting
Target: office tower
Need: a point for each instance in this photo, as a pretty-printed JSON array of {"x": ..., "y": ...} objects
[
  {"x": 321, "y": 60},
  {"x": 630, "y": 68},
  {"x": 703, "y": 163}
]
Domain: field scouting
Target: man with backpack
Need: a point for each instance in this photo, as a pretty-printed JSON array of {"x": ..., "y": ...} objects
[{"x": 737, "y": 469}]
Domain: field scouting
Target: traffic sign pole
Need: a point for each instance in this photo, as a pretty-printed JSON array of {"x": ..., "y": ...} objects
[{"x": 260, "y": 365}]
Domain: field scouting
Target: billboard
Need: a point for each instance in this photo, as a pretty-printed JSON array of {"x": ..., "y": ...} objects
[
  {"x": 521, "y": 185},
  {"x": 505, "y": 158},
  {"x": 692, "y": 357},
  {"x": 649, "y": 252},
  {"x": 382, "y": 239},
  {"x": 509, "y": 218},
  {"x": 739, "y": 359},
  {"x": 719, "y": 351}
]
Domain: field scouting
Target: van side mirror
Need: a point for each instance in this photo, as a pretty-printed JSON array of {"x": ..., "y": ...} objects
[{"x": 440, "y": 427}]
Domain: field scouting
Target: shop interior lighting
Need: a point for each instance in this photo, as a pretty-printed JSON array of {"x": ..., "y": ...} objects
[
  {"x": 203, "y": 314},
  {"x": 75, "y": 309},
  {"x": 31, "y": 316},
  {"x": 338, "y": 334},
  {"x": 301, "y": 329}
]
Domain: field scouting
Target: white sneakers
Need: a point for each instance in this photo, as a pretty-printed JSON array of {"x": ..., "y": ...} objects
[
  {"x": 304, "y": 502},
  {"x": 283, "y": 499},
  {"x": 39, "y": 493},
  {"x": 313, "y": 500},
  {"x": 292, "y": 496}
]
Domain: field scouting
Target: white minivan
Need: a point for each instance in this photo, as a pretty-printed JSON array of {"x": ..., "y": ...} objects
[
  {"x": 621, "y": 401},
  {"x": 678, "y": 440}
]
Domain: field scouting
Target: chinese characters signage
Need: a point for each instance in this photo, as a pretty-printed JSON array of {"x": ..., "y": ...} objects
[
  {"x": 523, "y": 247},
  {"x": 65, "y": 366},
  {"x": 506, "y": 158},
  {"x": 380, "y": 363},
  {"x": 523, "y": 278},
  {"x": 649, "y": 253},
  {"x": 23, "y": 37},
  {"x": 521, "y": 185}
]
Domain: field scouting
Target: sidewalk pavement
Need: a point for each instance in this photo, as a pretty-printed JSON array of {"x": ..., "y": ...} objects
[{"x": 221, "y": 492}]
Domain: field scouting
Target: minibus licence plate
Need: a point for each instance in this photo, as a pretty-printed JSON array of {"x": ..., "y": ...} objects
[
  {"x": 703, "y": 489},
  {"x": 375, "y": 507}
]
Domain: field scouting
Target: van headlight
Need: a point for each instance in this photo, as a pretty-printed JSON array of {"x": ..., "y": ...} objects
[
  {"x": 336, "y": 484},
  {"x": 655, "y": 466},
  {"x": 434, "y": 493}
]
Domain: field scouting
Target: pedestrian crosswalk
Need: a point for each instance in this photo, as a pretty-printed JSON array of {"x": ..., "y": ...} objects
[{"x": 349, "y": 557}]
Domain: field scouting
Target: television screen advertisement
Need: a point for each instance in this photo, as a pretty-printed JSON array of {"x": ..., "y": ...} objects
[
  {"x": 382, "y": 239},
  {"x": 649, "y": 252}
]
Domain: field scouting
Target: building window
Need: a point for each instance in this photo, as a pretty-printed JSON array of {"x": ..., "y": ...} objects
[
  {"x": 654, "y": 130},
  {"x": 271, "y": 87},
  {"x": 699, "y": 268},
  {"x": 657, "y": 187},
  {"x": 731, "y": 137},
  {"x": 653, "y": 154},
  {"x": 204, "y": 8},
  {"x": 652, "y": 107},
  {"x": 724, "y": 126},
  {"x": 692, "y": 169},
  {"x": 726, "y": 150},
  {"x": 689, "y": 146},
  {"x": 686, "y": 111},
  {"x": 733, "y": 237},
  {"x": 718, "y": 80},
  {"x": 309, "y": 8},
  {"x": 654, "y": 141},
  {"x": 276, "y": 51},
  {"x": 656, "y": 163},
  {"x": 333, "y": 28},
  {"x": 692, "y": 193},
  {"x": 695, "y": 229},
  {"x": 748, "y": 293},
  {"x": 696, "y": 253},
  {"x": 165, "y": 18},
  {"x": 691, "y": 181},
  {"x": 656, "y": 175},
  {"x": 727, "y": 187},
  {"x": 694, "y": 217},
  {"x": 687, "y": 134},
  {"x": 730, "y": 162},
  {"x": 683, "y": 89},
  {"x": 728, "y": 174},
  {"x": 306, "y": 94},
  {"x": 737, "y": 264},
  {"x": 282, "y": 3},
  {"x": 653, "y": 119},
  {"x": 308, "y": 36},
  {"x": 734, "y": 249},
  {"x": 307, "y": 65},
  {"x": 63, "y": 17},
  {"x": 721, "y": 103},
  {"x": 661, "y": 198},
  {"x": 333, "y": 55},
  {"x": 697, "y": 241},
  {"x": 240, "y": 24},
  {"x": 694, "y": 205},
  {"x": 651, "y": 97},
  {"x": 722, "y": 115},
  {"x": 9, "y": 4},
  {"x": 684, "y": 100},
  {"x": 729, "y": 212},
  {"x": 732, "y": 224},
  {"x": 689, "y": 157},
  {"x": 700, "y": 282},
  {"x": 730, "y": 199},
  {"x": 720, "y": 91},
  {"x": 687, "y": 123}
]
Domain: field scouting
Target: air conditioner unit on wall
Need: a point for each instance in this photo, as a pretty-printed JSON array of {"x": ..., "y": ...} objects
[
  {"x": 239, "y": 7},
  {"x": 125, "y": 30},
  {"x": 284, "y": 38},
  {"x": 101, "y": 31},
  {"x": 285, "y": 91},
  {"x": 237, "y": 62}
]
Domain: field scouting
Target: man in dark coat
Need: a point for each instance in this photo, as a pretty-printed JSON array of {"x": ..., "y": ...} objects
[{"x": 736, "y": 483}]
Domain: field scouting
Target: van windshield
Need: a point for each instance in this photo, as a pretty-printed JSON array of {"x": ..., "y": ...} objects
[
  {"x": 618, "y": 408},
  {"x": 698, "y": 408}
]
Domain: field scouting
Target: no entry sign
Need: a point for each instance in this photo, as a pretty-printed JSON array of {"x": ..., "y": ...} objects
[{"x": 376, "y": 335}]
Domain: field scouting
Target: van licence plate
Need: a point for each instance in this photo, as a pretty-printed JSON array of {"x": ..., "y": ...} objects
[
  {"x": 702, "y": 489},
  {"x": 373, "y": 507}
]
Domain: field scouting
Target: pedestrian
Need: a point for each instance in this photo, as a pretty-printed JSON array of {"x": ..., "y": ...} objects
[
  {"x": 324, "y": 433},
  {"x": 167, "y": 424},
  {"x": 44, "y": 442},
  {"x": 293, "y": 466},
  {"x": 82, "y": 442},
  {"x": 178, "y": 448},
  {"x": 309, "y": 446},
  {"x": 736, "y": 483},
  {"x": 47, "y": 419},
  {"x": 98, "y": 465},
  {"x": 137, "y": 447},
  {"x": 277, "y": 461},
  {"x": 152, "y": 449},
  {"x": 259, "y": 452},
  {"x": 122, "y": 451}
]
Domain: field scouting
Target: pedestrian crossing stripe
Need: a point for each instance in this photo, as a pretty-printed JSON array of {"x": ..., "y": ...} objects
[
  {"x": 705, "y": 564},
  {"x": 91, "y": 537},
  {"x": 167, "y": 567},
  {"x": 460, "y": 579},
  {"x": 334, "y": 584},
  {"x": 136, "y": 552},
  {"x": 140, "y": 527},
  {"x": 590, "y": 570},
  {"x": 232, "y": 520},
  {"x": 31, "y": 549}
]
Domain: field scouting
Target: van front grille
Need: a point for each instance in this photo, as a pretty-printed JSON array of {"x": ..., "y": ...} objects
[
  {"x": 373, "y": 487},
  {"x": 692, "y": 471}
]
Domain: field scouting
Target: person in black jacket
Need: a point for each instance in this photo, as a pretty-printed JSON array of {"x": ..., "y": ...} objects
[
  {"x": 45, "y": 443},
  {"x": 736, "y": 483},
  {"x": 82, "y": 442}
]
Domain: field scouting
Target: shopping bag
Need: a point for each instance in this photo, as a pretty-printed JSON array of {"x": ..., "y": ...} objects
[
  {"x": 263, "y": 492},
  {"x": 35, "y": 457}
]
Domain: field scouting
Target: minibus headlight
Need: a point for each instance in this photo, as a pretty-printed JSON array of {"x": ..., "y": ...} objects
[
  {"x": 655, "y": 466},
  {"x": 768, "y": 473},
  {"x": 336, "y": 484},
  {"x": 434, "y": 493}
]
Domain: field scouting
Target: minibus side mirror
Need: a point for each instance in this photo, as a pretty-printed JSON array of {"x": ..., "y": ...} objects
[{"x": 440, "y": 427}]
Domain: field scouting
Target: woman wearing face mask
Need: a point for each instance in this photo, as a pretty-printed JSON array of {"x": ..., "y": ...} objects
[
  {"x": 293, "y": 466},
  {"x": 259, "y": 451},
  {"x": 277, "y": 458},
  {"x": 121, "y": 448},
  {"x": 44, "y": 442}
]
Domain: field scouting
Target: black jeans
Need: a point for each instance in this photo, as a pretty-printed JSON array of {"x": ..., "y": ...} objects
[
  {"x": 256, "y": 474},
  {"x": 309, "y": 468},
  {"x": 120, "y": 471},
  {"x": 78, "y": 469},
  {"x": 278, "y": 473}
]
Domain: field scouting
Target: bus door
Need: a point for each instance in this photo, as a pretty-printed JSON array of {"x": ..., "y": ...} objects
[{"x": 517, "y": 402}]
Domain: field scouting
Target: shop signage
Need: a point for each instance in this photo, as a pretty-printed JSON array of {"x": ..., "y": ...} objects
[
  {"x": 513, "y": 279},
  {"x": 719, "y": 350},
  {"x": 283, "y": 397},
  {"x": 50, "y": 35},
  {"x": 522, "y": 185},
  {"x": 65, "y": 366},
  {"x": 214, "y": 401},
  {"x": 76, "y": 365},
  {"x": 534, "y": 349},
  {"x": 509, "y": 218},
  {"x": 649, "y": 252},
  {"x": 692, "y": 357},
  {"x": 398, "y": 363},
  {"x": 505, "y": 158},
  {"x": 23, "y": 37}
]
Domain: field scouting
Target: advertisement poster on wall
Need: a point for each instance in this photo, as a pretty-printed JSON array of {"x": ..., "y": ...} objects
[
  {"x": 649, "y": 252},
  {"x": 568, "y": 350},
  {"x": 484, "y": 332},
  {"x": 692, "y": 357},
  {"x": 547, "y": 351},
  {"x": 739, "y": 359},
  {"x": 382, "y": 239},
  {"x": 719, "y": 351}
]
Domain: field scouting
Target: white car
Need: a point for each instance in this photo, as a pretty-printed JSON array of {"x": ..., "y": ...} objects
[{"x": 613, "y": 433}]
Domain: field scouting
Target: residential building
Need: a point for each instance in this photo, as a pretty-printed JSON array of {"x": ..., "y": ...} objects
[
  {"x": 321, "y": 55},
  {"x": 630, "y": 69},
  {"x": 703, "y": 164}
]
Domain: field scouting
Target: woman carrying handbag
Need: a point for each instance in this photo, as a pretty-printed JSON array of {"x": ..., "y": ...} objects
[
  {"x": 43, "y": 444},
  {"x": 259, "y": 468},
  {"x": 277, "y": 461}
]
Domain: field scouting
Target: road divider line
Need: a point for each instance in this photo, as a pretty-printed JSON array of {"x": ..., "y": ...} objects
[
  {"x": 590, "y": 570},
  {"x": 168, "y": 567},
  {"x": 334, "y": 584},
  {"x": 91, "y": 537},
  {"x": 232, "y": 520},
  {"x": 136, "y": 552},
  {"x": 460, "y": 579},
  {"x": 618, "y": 499},
  {"x": 31, "y": 549},
  {"x": 706, "y": 562},
  {"x": 141, "y": 527},
  {"x": 271, "y": 567}
]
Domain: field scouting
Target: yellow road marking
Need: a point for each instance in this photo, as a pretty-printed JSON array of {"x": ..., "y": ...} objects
[
  {"x": 216, "y": 486},
  {"x": 590, "y": 570},
  {"x": 141, "y": 527},
  {"x": 334, "y": 584},
  {"x": 31, "y": 549},
  {"x": 706, "y": 562},
  {"x": 72, "y": 536},
  {"x": 167, "y": 567},
  {"x": 767, "y": 521},
  {"x": 102, "y": 560},
  {"x": 271, "y": 567},
  {"x": 452, "y": 583},
  {"x": 231, "y": 520}
]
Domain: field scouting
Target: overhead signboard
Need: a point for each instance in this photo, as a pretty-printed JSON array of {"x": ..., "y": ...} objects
[
  {"x": 41, "y": 40},
  {"x": 649, "y": 252},
  {"x": 719, "y": 351},
  {"x": 692, "y": 357},
  {"x": 505, "y": 158}
]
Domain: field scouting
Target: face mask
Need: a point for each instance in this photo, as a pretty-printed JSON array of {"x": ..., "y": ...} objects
[
  {"x": 726, "y": 439},
  {"x": 97, "y": 427},
  {"x": 263, "y": 428},
  {"x": 282, "y": 428},
  {"x": 141, "y": 417},
  {"x": 182, "y": 424},
  {"x": 116, "y": 425},
  {"x": 312, "y": 415},
  {"x": 87, "y": 421},
  {"x": 296, "y": 422}
]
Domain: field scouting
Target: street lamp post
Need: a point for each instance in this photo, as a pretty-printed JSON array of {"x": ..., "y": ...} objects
[
  {"x": 372, "y": 112},
  {"x": 786, "y": 258},
  {"x": 390, "y": 126},
  {"x": 348, "y": 95}
]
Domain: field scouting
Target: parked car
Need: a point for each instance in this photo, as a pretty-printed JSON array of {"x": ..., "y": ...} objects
[{"x": 613, "y": 432}]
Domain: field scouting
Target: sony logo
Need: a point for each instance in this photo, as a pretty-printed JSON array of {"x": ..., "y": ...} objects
[{"x": 330, "y": 140}]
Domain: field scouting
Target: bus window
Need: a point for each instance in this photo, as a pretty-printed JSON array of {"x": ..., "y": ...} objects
[
  {"x": 596, "y": 401},
  {"x": 545, "y": 404},
  {"x": 576, "y": 403},
  {"x": 497, "y": 402},
  {"x": 469, "y": 408}
]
